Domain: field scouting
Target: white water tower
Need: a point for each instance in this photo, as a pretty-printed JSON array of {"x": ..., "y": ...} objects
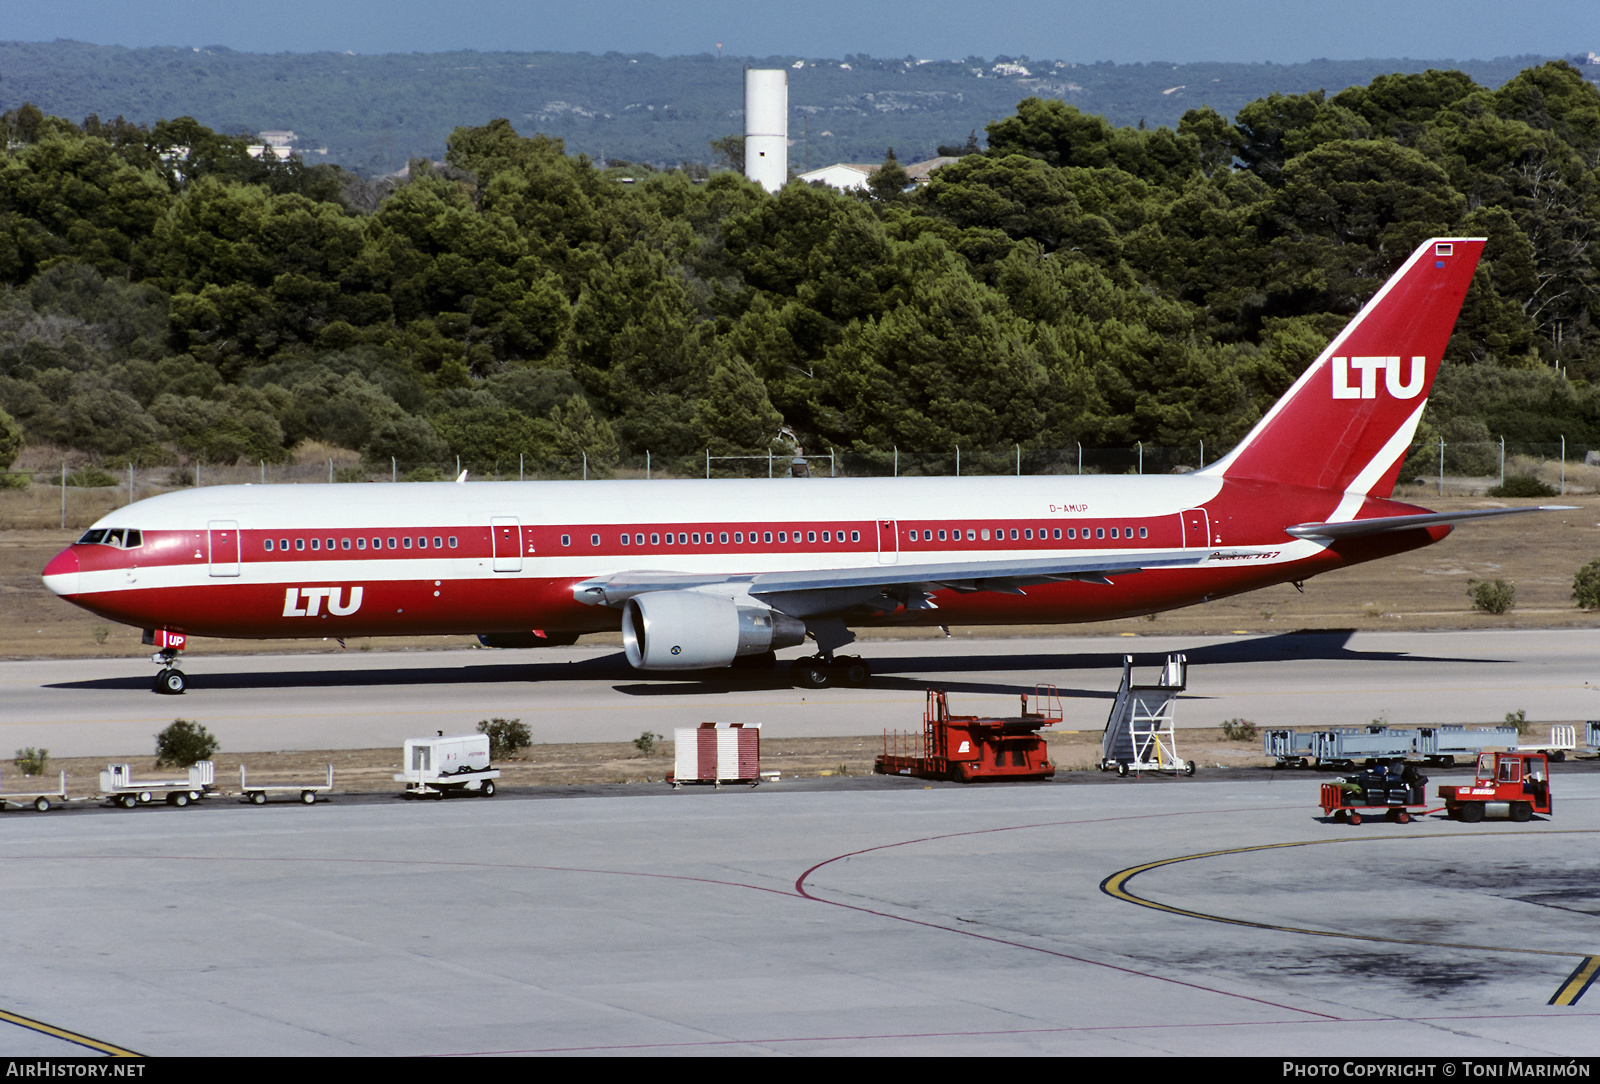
[{"x": 766, "y": 127}]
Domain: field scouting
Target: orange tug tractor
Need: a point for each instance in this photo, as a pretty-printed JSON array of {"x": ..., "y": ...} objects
[{"x": 1514, "y": 785}]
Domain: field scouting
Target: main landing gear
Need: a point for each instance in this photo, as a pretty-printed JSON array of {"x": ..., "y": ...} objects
[
  {"x": 819, "y": 672},
  {"x": 170, "y": 681}
]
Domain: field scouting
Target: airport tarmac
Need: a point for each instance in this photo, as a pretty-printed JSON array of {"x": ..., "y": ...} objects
[
  {"x": 78, "y": 707},
  {"x": 1140, "y": 916}
]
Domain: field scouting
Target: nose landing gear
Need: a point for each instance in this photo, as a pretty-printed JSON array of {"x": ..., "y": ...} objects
[{"x": 170, "y": 681}]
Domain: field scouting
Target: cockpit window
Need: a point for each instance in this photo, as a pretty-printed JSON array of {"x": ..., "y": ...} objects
[{"x": 120, "y": 537}]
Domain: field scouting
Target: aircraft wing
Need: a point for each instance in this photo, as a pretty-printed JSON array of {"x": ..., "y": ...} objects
[
  {"x": 1356, "y": 528},
  {"x": 817, "y": 591}
]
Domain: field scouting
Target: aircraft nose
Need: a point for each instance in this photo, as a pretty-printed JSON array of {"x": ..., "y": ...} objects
[{"x": 61, "y": 574}]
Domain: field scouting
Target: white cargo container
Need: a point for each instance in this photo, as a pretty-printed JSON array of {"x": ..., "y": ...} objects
[{"x": 436, "y": 765}]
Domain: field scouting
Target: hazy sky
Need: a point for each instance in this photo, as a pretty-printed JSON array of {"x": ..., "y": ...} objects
[{"x": 1078, "y": 30}]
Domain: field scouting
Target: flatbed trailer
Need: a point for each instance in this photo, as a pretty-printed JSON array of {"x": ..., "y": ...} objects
[
  {"x": 257, "y": 792},
  {"x": 1334, "y": 805},
  {"x": 118, "y": 786},
  {"x": 39, "y": 799}
]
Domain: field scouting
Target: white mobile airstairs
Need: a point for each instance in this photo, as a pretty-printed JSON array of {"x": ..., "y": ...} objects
[{"x": 1139, "y": 735}]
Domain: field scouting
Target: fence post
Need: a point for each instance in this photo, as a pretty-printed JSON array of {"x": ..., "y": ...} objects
[
  {"x": 833, "y": 461},
  {"x": 1202, "y": 455},
  {"x": 263, "y": 472},
  {"x": 897, "y": 460},
  {"x": 708, "y": 463},
  {"x": 1441, "y": 466},
  {"x": 1141, "y": 456},
  {"x": 458, "y": 466},
  {"x": 769, "y": 463},
  {"x": 1080, "y": 457},
  {"x": 521, "y": 468},
  {"x": 958, "y": 461},
  {"x": 647, "y": 464},
  {"x": 585, "y": 466},
  {"x": 63, "y": 494},
  {"x": 394, "y": 469},
  {"x": 197, "y": 474},
  {"x": 130, "y": 483},
  {"x": 1563, "y": 464},
  {"x": 1502, "y": 461},
  {"x": 1019, "y": 461},
  {"x": 330, "y": 472}
]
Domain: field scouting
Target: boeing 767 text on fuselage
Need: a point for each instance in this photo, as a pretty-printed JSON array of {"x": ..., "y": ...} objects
[{"x": 703, "y": 573}]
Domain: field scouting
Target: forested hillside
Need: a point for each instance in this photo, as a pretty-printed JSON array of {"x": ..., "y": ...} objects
[
  {"x": 1075, "y": 282},
  {"x": 373, "y": 113}
]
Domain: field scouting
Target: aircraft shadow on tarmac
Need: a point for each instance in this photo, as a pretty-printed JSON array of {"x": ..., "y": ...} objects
[{"x": 890, "y": 673}]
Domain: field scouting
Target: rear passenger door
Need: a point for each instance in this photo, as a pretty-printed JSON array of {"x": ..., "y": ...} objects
[{"x": 507, "y": 532}]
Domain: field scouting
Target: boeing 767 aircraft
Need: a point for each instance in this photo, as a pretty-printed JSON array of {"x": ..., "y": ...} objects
[{"x": 702, "y": 573}]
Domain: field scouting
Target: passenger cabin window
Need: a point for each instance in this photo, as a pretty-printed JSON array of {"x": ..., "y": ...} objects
[{"x": 267, "y": 545}]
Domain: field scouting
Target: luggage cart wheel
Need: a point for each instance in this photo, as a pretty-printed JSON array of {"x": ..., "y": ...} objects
[
  {"x": 41, "y": 803},
  {"x": 1122, "y": 767},
  {"x": 1188, "y": 769},
  {"x": 258, "y": 797},
  {"x": 487, "y": 790},
  {"x": 128, "y": 801},
  {"x": 1355, "y": 818},
  {"x": 309, "y": 797}
]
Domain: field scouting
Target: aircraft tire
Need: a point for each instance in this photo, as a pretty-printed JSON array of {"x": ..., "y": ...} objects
[
  {"x": 853, "y": 672},
  {"x": 811, "y": 673},
  {"x": 171, "y": 682}
]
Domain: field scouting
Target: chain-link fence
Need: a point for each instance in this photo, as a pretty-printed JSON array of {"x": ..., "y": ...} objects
[{"x": 1440, "y": 465}]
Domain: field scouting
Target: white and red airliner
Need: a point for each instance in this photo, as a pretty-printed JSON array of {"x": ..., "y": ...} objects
[{"x": 706, "y": 573}]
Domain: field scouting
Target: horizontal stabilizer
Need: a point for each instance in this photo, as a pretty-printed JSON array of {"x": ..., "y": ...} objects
[{"x": 1356, "y": 528}]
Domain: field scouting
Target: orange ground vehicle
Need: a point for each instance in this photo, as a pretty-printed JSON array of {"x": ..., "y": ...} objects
[
  {"x": 970, "y": 747},
  {"x": 1514, "y": 785}
]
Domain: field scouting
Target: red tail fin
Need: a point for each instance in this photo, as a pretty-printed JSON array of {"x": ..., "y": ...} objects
[{"x": 1346, "y": 423}]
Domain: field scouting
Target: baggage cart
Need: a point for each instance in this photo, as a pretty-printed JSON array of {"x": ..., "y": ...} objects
[
  {"x": 118, "y": 786},
  {"x": 257, "y": 792},
  {"x": 39, "y": 799}
]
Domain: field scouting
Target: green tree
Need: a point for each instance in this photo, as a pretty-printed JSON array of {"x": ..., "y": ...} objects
[
  {"x": 889, "y": 181},
  {"x": 1586, "y": 586},
  {"x": 184, "y": 743}
]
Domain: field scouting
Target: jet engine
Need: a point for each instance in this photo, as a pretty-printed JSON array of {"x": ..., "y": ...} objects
[{"x": 684, "y": 630}]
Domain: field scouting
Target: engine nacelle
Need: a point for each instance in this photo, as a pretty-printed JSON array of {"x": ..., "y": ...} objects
[{"x": 685, "y": 630}]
